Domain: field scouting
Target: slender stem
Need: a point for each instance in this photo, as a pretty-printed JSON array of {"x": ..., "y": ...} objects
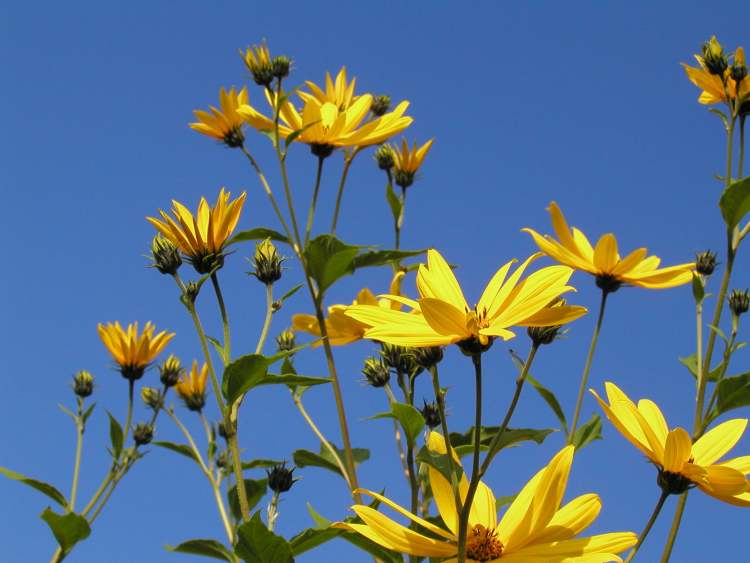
[
  {"x": 340, "y": 194},
  {"x": 273, "y": 511},
  {"x": 397, "y": 432},
  {"x": 191, "y": 442},
  {"x": 587, "y": 367},
  {"x": 407, "y": 459},
  {"x": 234, "y": 447},
  {"x": 224, "y": 317},
  {"x": 741, "y": 159},
  {"x": 400, "y": 220},
  {"x": 667, "y": 553},
  {"x": 719, "y": 377},
  {"x": 267, "y": 320},
  {"x": 99, "y": 508},
  {"x": 440, "y": 400},
  {"x": 80, "y": 426},
  {"x": 314, "y": 201},
  {"x": 463, "y": 520},
  {"x": 649, "y": 524},
  {"x": 129, "y": 416},
  {"x": 700, "y": 375},
  {"x": 222, "y": 511}
]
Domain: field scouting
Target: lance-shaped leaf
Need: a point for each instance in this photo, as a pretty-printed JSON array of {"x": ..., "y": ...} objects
[
  {"x": 587, "y": 433},
  {"x": 182, "y": 449},
  {"x": 732, "y": 393},
  {"x": 324, "y": 459},
  {"x": 257, "y": 544},
  {"x": 410, "y": 418},
  {"x": 464, "y": 443},
  {"x": 204, "y": 547},
  {"x": 258, "y": 233},
  {"x": 41, "y": 486},
  {"x": 116, "y": 436}
]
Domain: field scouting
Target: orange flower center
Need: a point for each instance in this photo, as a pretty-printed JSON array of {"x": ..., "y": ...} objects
[{"x": 482, "y": 544}]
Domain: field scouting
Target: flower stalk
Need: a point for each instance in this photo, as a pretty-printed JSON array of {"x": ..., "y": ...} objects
[{"x": 649, "y": 525}]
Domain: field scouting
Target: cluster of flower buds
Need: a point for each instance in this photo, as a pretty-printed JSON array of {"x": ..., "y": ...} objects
[
  {"x": 263, "y": 67},
  {"x": 399, "y": 359},
  {"x": 143, "y": 434},
  {"x": 427, "y": 357}
]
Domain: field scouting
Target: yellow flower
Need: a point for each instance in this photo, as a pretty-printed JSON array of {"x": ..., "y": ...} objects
[
  {"x": 604, "y": 262},
  {"x": 406, "y": 161},
  {"x": 258, "y": 61},
  {"x": 133, "y": 352},
  {"x": 444, "y": 317},
  {"x": 714, "y": 90},
  {"x": 202, "y": 238},
  {"x": 534, "y": 528},
  {"x": 342, "y": 329},
  {"x": 224, "y": 124},
  {"x": 681, "y": 462},
  {"x": 192, "y": 387},
  {"x": 339, "y": 93}
]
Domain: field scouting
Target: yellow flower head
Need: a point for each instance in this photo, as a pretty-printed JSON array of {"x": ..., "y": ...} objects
[
  {"x": 340, "y": 92},
  {"x": 340, "y": 328},
  {"x": 224, "y": 124},
  {"x": 603, "y": 261},
  {"x": 726, "y": 87},
  {"x": 192, "y": 387},
  {"x": 682, "y": 463},
  {"x": 406, "y": 161},
  {"x": 202, "y": 237},
  {"x": 444, "y": 317},
  {"x": 534, "y": 528},
  {"x": 258, "y": 61},
  {"x": 133, "y": 352}
]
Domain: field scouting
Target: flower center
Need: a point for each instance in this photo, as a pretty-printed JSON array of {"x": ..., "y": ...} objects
[{"x": 482, "y": 544}]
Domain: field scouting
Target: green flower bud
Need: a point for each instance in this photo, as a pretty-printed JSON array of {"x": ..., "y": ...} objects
[
  {"x": 83, "y": 384},
  {"x": 280, "y": 478},
  {"x": 280, "y": 66},
  {"x": 286, "y": 341},
  {"x": 400, "y": 359},
  {"x": 713, "y": 56},
  {"x": 170, "y": 371},
  {"x": 543, "y": 334},
  {"x": 152, "y": 398},
  {"x": 267, "y": 262},
  {"x": 431, "y": 414},
  {"x": 739, "y": 302},
  {"x": 165, "y": 255},
  {"x": 403, "y": 178},
  {"x": 143, "y": 434},
  {"x": 191, "y": 292},
  {"x": 705, "y": 262},
  {"x": 384, "y": 157},
  {"x": 427, "y": 357},
  {"x": 380, "y": 105},
  {"x": 376, "y": 372}
]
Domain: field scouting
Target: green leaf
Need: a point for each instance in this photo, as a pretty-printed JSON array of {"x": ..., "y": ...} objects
[
  {"x": 439, "y": 462},
  {"x": 464, "y": 443},
  {"x": 692, "y": 366},
  {"x": 255, "y": 489},
  {"x": 324, "y": 459},
  {"x": 503, "y": 501},
  {"x": 588, "y": 432},
  {"x": 393, "y": 201},
  {"x": 41, "y": 486},
  {"x": 256, "y": 544},
  {"x": 68, "y": 529},
  {"x": 219, "y": 347},
  {"x": 311, "y": 538},
  {"x": 289, "y": 293},
  {"x": 259, "y": 233},
  {"x": 329, "y": 259},
  {"x": 551, "y": 400},
  {"x": 294, "y": 134},
  {"x": 253, "y": 463},
  {"x": 115, "y": 436},
  {"x": 293, "y": 380},
  {"x": 735, "y": 202},
  {"x": 243, "y": 374},
  {"x": 207, "y": 548},
  {"x": 410, "y": 418},
  {"x": 733, "y": 393},
  {"x": 87, "y": 413},
  {"x": 383, "y": 257},
  {"x": 721, "y": 115},
  {"x": 181, "y": 449}
]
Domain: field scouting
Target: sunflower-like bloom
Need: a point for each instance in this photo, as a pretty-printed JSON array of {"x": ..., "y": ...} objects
[
  {"x": 192, "y": 387},
  {"x": 339, "y": 92},
  {"x": 340, "y": 328},
  {"x": 533, "y": 529},
  {"x": 603, "y": 261},
  {"x": 132, "y": 351},
  {"x": 202, "y": 237},
  {"x": 444, "y": 317},
  {"x": 714, "y": 89},
  {"x": 406, "y": 161},
  {"x": 224, "y": 124},
  {"x": 682, "y": 464}
]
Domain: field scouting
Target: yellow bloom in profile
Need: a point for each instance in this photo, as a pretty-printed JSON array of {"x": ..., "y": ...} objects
[
  {"x": 533, "y": 529},
  {"x": 224, "y": 124},
  {"x": 258, "y": 61},
  {"x": 714, "y": 89},
  {"x": 132, "y": 351},
  {"x": 603, "y": 261},
  {"x": 192, "y": 387},
  {"x": 339, "y": 92},
  {"x": 407, "y": 160},
  {"x": 444, "y": 317},
  {"x": 202, "y": 237},
  {"x": 340, "y": 328},
  {"x": 682, "y": 464}
]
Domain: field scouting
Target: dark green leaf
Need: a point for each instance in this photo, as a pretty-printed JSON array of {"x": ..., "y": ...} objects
[
  {"x": 292, "y": 380},
  {"x": 289, "y": 293},
  {"x": 551, "y": 400},
  {"x": 588, "y": 432},
  {"x": 259, "y": 233},
  {"x": 312, "y": 538},
  {"x": 329, "y": 259},
  {"x": 255, "y": 489},
  {"x": 294, "y": 134},
  {"x": 735, "y": 202},
  {"x": 40, "y": 486},
  {"x": 115, "y": 436},
  {"x": 733, "y": 393},
  {"x": 68, "y": 528},
  {"x": 207, "y": 548},
  {"x": 393, "y": 201},
  {"x": 383, "y": 257},
  {"x": 256, "y": 544},
  {"x": 690, "y": 363},
  {"x": 243, "y": 374},
  {"x": 288, "y": 367},
  {"x": 721, "y": 115},
  {"x": 70, "y": 413},
  {"x": 260, "y": 463},
  {"x": 324, "y": 459},
  {"x": 181, "y": 449},
  {"x": 439, "y": 462},
  {"x": 464, "y": 443},
  {"x": 87, "y": 413},
  {"x": 410, "y": 418}
]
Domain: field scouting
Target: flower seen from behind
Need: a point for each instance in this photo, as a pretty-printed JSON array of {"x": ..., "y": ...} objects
[
  {"x": 223, "y": 124},
  {"x": 133, "y": 351},
  {"x": 192, "y": 387}
]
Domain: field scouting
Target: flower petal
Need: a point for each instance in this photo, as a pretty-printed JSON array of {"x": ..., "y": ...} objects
[{"x": 718, "y": 441}]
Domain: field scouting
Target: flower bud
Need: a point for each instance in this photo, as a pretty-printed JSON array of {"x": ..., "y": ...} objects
[
  {"x": 280, "y": 66},
  {"x": 739, "y": 301},
  {"x": 399, "y": 358},
  {"x": 258, "y": 61},
  {"x": 384, "y": 157},
  {"x": 170, "y": 371},
  {"x": 380, "y": 105},
  {"x": 267, "y": 262},
  {"x": 543, "y": 334},
  {"x": 285, "y": 341},
  {"x": 152, "y": 398},
  {"x": 83, "y": 384},
  {"x": 427, "y": 357},
  {"x": 714, "y": 58},
  {"x": 280, "y": 478},
  {"x": 403, "y": 178},
  {"x": 431, "y": 414},
  {"x": 143, "y": 434},
  {"x": 165, "y": 255},
  {"x": 191, "y": 292},
  {"x": 705, "y": 262},
  {"x": 376, "y": 372}
]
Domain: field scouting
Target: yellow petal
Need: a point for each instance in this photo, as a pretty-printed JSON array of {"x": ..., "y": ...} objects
[
  {"x": 571, "y": 519},
  {"x": 677, "y": 450},
  {"x": 605, "y": 253},
  {"x": 444, "y": 318},
  {"x": 718, "y": 441}
]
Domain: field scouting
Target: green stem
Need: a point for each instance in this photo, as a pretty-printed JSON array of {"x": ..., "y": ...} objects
[
  {"x": 400, "y": 220},
  {"x": 267, "y": 320},
  {"x": 224, "y": 317},
  {"x": 191, "y": 442},
  {"x": 741, "y": 160},
  {"x": 397, "y": 434},
  {"x": 463, "y": 520},
  {"x": 129, "y": 416},
  {"x": 340, "y": 194},
  {"x": 587, "y": 367},
  {"x": 701, "y": 375},
  {"x": 667, "y": 553},
  {"x": 80, "y": 426},
  {"x": 273, "y": 511},
  {"x": 649, "y": 524},
  {"x": 238, "y": 476},
  {"x": 720, "y": 376},
  {"x": 440, "y": 400},
  {"x": 314, "y": 201}
]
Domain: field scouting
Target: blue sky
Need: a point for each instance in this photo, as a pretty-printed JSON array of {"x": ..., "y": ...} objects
[{"x": 585, "y": 104}]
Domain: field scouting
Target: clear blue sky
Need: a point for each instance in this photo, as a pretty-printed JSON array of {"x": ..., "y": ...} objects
[{"x": 583, "y": 103}]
